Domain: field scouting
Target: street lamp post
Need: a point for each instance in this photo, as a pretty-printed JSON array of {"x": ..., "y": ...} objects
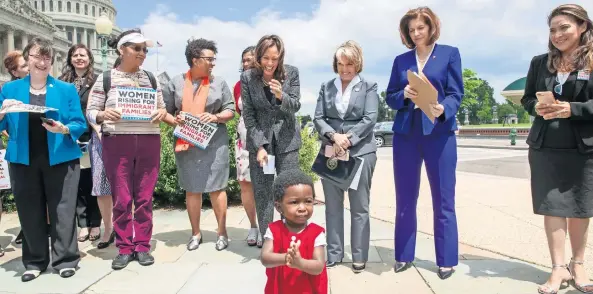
[
  {"x": 103, "y": 26},
  {"x": 494, "y": 116}
]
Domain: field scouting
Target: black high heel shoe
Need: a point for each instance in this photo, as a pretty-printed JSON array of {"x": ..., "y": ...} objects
[
  {"x": 445, "y": 274},
  {"x": 401, "y": 266},
  {"x": 103, "y": 245}
]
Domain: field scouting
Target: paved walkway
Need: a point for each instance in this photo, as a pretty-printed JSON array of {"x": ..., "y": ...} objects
[{"x": 503, "y": 249}]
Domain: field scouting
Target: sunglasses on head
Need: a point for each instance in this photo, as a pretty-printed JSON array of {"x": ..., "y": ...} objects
[{"x": 138, "y": 48}]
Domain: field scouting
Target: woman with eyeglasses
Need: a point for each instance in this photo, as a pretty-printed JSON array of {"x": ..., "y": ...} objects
[
  {"x": 44, "y": 162},
  {"x": 559, "y": 94},
  {"x": 208, "y": 97},
  {"x": 131, "y": 148}
]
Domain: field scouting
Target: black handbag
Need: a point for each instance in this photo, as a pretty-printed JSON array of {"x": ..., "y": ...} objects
[{"x": 338, "y": 172}]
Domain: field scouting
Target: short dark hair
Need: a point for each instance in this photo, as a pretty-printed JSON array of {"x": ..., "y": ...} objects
[
  {"x": 245, "y": 51},
  {"x": 45, "y": 48},
  {"x": 195, "y": 46},
  {"x": 288, "y": 178}
]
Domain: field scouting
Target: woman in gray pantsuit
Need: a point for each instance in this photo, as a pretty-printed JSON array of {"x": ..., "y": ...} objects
[
  {"x": 203, "y": 171},
  {"x": 345, "y": 116},
  {"x": 271, "y": 94}
]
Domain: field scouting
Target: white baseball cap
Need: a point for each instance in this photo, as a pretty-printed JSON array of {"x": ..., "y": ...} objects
[{"x": 136, "y": 38}]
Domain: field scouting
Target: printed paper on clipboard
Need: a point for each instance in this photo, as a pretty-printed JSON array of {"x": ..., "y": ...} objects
[
  {"x": 427, "y": 93},
  {"x": 195, "y": 131}
]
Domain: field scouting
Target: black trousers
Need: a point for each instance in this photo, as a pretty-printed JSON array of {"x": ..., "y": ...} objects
[
  {"x": 87, "y": 209},
  {"x": 35, "y": 187}
]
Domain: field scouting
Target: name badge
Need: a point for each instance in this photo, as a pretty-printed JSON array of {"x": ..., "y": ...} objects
[{"x": 583, "y": 75}]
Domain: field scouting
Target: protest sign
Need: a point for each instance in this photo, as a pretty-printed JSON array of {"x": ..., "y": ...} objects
[
  {"x": 195, "y": 131},
  {"x": 136, "y": 103},
  {"x": 26, "y": 108},
  {"x": 4, "y": 176}
]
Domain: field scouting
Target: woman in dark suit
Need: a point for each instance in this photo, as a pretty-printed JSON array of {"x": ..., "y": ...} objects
[
  {"x": 416, "y": 138},
  {"x": 44, "y": 162},
  {"x": 78, "y": 70},
  {"x": 559, "y": 93},
  {"x": 345, "y": 116},
  {"x": 271, "y": 98}
]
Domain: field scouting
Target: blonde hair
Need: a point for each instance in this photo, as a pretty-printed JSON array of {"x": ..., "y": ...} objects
[
  {"x": 353, "y": 52},
  {"x": 429, "y": 17},
  {"x": 583, "y": 56}
]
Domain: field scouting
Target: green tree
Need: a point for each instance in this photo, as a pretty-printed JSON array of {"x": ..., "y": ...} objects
[{"x": 478, "y": 98}]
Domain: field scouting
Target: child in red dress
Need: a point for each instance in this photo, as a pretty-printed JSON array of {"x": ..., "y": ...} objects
[{"x": 294, "y": 249}]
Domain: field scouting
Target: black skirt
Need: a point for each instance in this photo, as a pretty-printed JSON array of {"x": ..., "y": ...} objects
[{"x": 561, "y": 182}]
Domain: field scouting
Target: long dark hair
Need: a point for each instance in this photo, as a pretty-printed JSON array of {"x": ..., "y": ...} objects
[
  {"x": 264, "y": 44},
  {"x": 69, "y": 72},
  {"x": 582, "y": 57}
]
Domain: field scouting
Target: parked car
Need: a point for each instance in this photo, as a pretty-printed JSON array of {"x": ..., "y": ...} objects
[{"x": 384, "y": 134}]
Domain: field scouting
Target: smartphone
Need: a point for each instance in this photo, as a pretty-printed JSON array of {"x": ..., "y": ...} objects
[
  {"x": 545, "y": 97},
  {"x": 48, "y": 121}
]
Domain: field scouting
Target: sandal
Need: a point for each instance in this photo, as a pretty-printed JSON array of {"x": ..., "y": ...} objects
[
  {"x": 82, "y": 238},
  {"x": 94, "y": 237},
  {"x": 1, "y": 251},
  {"x": 222, "y": 243},
  {"x": 252, "y": 236},
  {"x": 585, "y": 288},
  {"x": 260, "y": 240},
  {"x": 19, "y": 238},
  {"x": 547, "y": 289}
]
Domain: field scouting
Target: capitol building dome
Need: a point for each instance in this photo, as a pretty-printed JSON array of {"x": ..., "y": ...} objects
[{"x": 64, "y": 22}]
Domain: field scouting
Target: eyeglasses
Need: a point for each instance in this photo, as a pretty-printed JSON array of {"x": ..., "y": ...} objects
[
  {"x": 138, "y": 48},
  {"x": 40, "y": 58},
  {"x": 558, "y": 88},
  {"x": 209, "y": 59}
]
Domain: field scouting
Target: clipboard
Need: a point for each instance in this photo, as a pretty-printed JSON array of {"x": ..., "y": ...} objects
[{"x": 427, "y": 93}]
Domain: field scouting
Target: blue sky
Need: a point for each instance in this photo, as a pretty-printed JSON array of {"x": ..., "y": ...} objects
[{"x": 496, "y": 38}]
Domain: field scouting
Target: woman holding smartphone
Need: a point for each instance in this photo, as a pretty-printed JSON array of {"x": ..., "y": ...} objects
[{"x": 559, "y": 93}]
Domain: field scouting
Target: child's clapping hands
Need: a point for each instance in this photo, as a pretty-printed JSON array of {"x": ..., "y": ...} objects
[{"x": 293, "y": 255}]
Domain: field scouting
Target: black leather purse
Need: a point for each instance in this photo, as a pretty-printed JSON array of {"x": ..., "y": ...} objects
[{"x": 339, "y": 172}]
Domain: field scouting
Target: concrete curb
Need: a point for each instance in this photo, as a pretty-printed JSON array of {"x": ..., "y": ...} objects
[{"x": 493, "y": 147}]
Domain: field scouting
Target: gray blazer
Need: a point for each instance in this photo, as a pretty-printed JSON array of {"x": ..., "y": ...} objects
[
  {"x": 264, "y": 120},
  {"x": 359, "y": 120}
]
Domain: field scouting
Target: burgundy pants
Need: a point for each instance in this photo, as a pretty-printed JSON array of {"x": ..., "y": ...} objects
[{"x": 132, "y": 166}]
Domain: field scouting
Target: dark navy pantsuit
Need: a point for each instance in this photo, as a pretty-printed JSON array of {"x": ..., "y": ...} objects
[
  {"x": 417, "y": 139},
  {"x": 439, "y": 154}
]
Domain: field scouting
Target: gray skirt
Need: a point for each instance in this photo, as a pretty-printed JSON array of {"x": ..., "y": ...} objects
[
  {"x": 561, "y": 183},
  {"x": 203, "y": 171}
]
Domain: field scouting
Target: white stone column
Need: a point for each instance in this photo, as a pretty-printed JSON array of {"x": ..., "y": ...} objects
[
  {"x": 94, "y": 40},
  {"x": 75, "y": 36},
  {"x": 24, "y": 40},
  {"x": 10, "y": 39},
  {"x": 84, "y": 37}
]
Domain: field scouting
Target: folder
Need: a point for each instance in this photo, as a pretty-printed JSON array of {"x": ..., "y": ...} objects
[{"x": 427, "y": 93}]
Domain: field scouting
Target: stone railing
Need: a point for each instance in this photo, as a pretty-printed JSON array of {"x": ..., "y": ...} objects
[{"x": 492, "y": 132}]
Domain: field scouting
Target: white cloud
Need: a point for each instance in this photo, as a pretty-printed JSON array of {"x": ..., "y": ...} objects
[{"x": 496, "y": 38}]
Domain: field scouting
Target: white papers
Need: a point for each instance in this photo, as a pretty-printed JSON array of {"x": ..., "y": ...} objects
[
  {"x": 26, "y": 108},
  {"x": 270, "y": 167},
  {"x": 354, "y": 184}
]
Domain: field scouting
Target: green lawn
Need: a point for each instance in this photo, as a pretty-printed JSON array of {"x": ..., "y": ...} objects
[{"x": 496, "y": 126}]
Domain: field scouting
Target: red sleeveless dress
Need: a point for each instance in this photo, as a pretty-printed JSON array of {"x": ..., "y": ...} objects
[{"x": 286, "y": 280}]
